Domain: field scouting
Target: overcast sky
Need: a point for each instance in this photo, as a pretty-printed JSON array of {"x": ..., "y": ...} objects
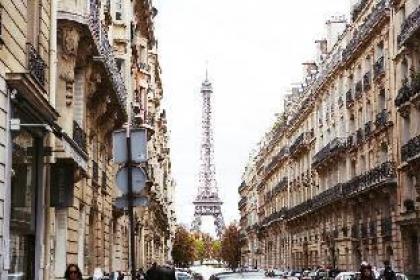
[{"x": 254, "y": 50}]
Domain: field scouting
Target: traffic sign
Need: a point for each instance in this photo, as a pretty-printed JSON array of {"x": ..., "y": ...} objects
[
  {"x": 122, "y": 202},
  {"x": 138, "y": 139},
  {"x": 139, "y": 179}
]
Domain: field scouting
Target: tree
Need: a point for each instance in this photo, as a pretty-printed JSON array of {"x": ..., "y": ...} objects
[
  {"x": 231, "y": 247},
  {"x": 216, "y": 250},
  {"x": 200, "y": 250},
  {"x": 183, "y": 250}
]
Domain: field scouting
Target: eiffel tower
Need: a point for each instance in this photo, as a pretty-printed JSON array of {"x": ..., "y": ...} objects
[{"x": 207, "y": 202}]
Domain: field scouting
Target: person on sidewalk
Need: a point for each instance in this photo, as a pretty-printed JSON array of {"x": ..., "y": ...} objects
[
  {"x": 73, "y": 272},
  {"x": 388, "y": 273},
  {"x": 366, "y": 272}
]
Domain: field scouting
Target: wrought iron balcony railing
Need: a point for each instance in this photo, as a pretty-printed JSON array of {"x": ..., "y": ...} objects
[
  {"x": 366, "y": 81},
  {"x": 408, "y": 91},
  {"x": 361, "y": 34},
  {"x": 100, "y": 37},
  {"x": 410, "y": 26},
  {"x": 281, "y": 155},
  {"x": 411, "y": 149},
  {"x": 79, "y": 136},
  {"x": 301, "y": 141},
  {"x": 36, "y": 65},
  {"x": 358, "y": 89},
  {"x": 382, "y": 174},
  {"x": 242, "y": 202},
  {"x": 358, "y": 8},
  {"x": 330, "y": 151},
  {"x": 281, "y": 185},
  {"x": 379, "y": 67},
  {"x": 95, "y": 172},
  {"x": 275, "y": 216},
  {"x": 327, "y": 197},
  {"x": 299, "y": 209},
  {"x": 382, "y": 119}
]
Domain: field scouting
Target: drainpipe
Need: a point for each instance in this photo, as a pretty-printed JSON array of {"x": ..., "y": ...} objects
[{"x": 50, "y": 136}]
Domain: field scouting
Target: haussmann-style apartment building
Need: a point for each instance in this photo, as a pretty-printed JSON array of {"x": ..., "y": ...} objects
[
  {"x": 72, "y": 72},
  {"x": 337, "y": 179}
]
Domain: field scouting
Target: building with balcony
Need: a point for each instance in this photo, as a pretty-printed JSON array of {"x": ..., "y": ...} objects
[
  {"x": 346, "y": 190},
  {"x": 71, "y": 73}
]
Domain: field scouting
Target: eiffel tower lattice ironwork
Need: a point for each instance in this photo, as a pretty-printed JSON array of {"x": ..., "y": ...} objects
[{"x": 207, "y": 202}]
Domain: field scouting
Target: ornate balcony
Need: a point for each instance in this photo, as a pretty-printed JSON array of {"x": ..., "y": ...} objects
[
  {"x": 349, "y": 98},
  {"x": 281, "y": 185},
  {"x": 329, "y": 152},
  {"x": 301, "y": 142},
  {"x": 242, "y": 187},
  {"x": 242, "y": 202},
  {"x": 380, "y": 175},
  {"x": 408, "y": 92},
  {"x": 106, "y": 52},
  {"x": 366, "y": 81},
  {"x": 362, "y": 34},
  {"x": 358, "y": 90},
  {"x": 281, "y": 155},
  {"x": 36, "y": 65},
  {"x": 79, "y": 136},
  {"x": 411, "y": 150},
  {"x": 379, "y": 68},
  {"x": 299, "y": 209},
  {"x": 327, "y": 197},
  {"x": 358, "y": 8},
  {"x": 368, "y": 129},
  {"x": 279, "y": 215},
  {"x": 95, "y": 172},
  {"x": 382, "y": 120},
  {"x": 409, "y": 28}
]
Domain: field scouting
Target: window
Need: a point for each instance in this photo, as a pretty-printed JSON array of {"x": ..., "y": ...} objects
[
  {"x": 79, "y": 98},
  {"x": 34, "y": 9},
  {"x": 118, "y": 9}
]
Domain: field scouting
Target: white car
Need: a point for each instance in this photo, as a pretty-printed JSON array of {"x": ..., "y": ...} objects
[
  {"x": 181, "y": 275},
  {"x": 348, "y": 275}
]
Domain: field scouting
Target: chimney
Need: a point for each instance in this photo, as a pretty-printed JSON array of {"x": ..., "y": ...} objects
[{"x": 335, "y": 27}]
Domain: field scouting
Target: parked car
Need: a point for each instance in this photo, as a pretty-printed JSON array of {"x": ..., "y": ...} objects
[
  {"x": 181, "y": 275},
  {"x": 348, "y": 275}
]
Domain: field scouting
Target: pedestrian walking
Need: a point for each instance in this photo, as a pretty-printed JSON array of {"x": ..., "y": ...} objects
[
  {"x": 73, "y": 272},
  {"x": 366, "y": 272},
  {"x": 388, "y": 273}
]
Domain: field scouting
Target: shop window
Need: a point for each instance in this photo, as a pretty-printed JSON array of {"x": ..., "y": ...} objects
[{"x": 26, "y": 168}]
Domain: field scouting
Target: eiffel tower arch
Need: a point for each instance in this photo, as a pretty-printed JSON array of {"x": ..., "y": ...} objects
[{"x": 207, "y": 201}]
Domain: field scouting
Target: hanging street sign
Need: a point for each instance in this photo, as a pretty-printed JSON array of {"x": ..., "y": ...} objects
[
  {"x": 139, "y": 179},
  {"x": 138, "y": 139},
  {"x": 122, "y": 202}
]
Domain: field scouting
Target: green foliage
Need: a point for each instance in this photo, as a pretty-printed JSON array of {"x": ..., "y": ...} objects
[
  {"x": 230, "y": 251},
  {"x": 183, "y": 250}
]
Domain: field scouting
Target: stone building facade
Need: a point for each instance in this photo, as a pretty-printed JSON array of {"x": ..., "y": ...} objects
[
  {"x": 335, "y": 182},
  {"x": 70, "y": 72}
]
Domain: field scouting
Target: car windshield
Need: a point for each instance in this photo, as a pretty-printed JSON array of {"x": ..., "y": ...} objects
[{"x": 183, "y": 276}]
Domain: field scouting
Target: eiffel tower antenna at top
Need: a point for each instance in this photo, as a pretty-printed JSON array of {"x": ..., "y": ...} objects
[{"x": 207, "y": 68}]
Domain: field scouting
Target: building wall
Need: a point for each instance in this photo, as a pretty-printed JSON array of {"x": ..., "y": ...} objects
[{"x": 343, "y": 200}]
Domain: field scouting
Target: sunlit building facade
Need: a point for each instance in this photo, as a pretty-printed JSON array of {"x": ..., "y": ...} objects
[{"x": 336, "y": 179}]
